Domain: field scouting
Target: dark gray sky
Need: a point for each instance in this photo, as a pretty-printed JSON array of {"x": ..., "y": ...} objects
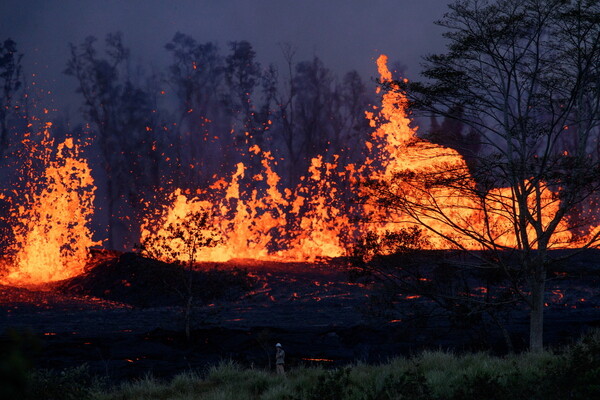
[{"x": 345, "y": 34}]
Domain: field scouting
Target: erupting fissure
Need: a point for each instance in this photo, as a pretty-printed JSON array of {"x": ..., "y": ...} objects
[
  {"x": 242, "y": 216},
  {"x": 266, "y": 223},
  {"x": 412, "y": 168},
  {"x": 312, "y": 221}
]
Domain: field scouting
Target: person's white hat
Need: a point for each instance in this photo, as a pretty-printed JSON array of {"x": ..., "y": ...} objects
[{"x": 278, "y": 345}]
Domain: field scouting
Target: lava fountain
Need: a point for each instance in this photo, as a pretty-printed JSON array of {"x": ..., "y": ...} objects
[
  {"x": 261, "y": 221},
  {"x": 242, "y": 224},
  {"x": 51, "y": 234},
  {"x": 437, "y": 189},
  {"x": 242, "y": 216}
]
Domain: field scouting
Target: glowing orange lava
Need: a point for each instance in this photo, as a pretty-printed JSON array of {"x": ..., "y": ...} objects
[
  {"x": 51, "y": 234},
  {"x": 453, "y": 214},
  {"x": 323, "y": 223},
  {"x": 243, "y": 225},
  {"x": 241, "y": 216},
  {"x": 262, "y": 223},
  {"x": 310, "y": 222}
]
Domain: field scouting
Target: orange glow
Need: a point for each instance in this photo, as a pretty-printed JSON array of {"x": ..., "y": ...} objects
[
  {"x": 250, "y": 215},
  {"x": 309, "y": 222},
  {"x": 244, "y": 224},
  {"x": 51, "y": 234},
  {"x": 396, "y": 149},
  {"x": 557, "y": 295},
  {"x": 322, "y": 223},
  {"x": 456, "y": 216}
]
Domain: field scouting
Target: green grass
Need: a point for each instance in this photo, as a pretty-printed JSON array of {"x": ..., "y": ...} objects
[{"x": 571, "y": 373}]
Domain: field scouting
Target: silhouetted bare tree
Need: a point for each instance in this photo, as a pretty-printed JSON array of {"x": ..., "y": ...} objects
[
  {"x": 251, "y": 92},
  {"x": 10, "y": 83},
  {"x": 524, "y": 74},
  {"x": 197, "y": 76},
  {"x": 125, "y": 119}
]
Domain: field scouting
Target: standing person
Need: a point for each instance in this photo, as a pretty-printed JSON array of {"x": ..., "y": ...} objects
[{"x": 279, "y": 359}]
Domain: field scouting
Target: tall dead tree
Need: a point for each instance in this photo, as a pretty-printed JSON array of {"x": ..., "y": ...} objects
[{"x": 525, "y": 74}]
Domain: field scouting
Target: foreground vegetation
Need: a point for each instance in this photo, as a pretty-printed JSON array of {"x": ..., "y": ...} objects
[{"x": 571, "y": 373}]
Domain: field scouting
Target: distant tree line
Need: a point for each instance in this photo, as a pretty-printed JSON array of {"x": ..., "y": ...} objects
[{"x": 181, "y": 127}]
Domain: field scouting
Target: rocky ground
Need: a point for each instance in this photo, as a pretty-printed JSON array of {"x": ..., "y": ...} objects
[{"x": 124, "y": 317}]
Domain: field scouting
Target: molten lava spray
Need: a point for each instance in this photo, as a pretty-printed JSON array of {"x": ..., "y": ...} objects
[
  {"x": 51, "y": 234},
  {"x": 241, "y": 216},
  {"x": 243, "y": 224},
  {"x": 396, "y": 153},
  {"x": 323, "y": 225},
  {"x": 259, "y": 220},
  {"x": 436, "y": 180}
]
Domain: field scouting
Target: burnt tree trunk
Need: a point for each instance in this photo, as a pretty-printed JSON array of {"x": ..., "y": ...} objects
[{"x": 536, "y": 317}]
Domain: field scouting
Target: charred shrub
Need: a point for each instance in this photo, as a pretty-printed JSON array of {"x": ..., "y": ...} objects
[{"x": 401, "y": 244}]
